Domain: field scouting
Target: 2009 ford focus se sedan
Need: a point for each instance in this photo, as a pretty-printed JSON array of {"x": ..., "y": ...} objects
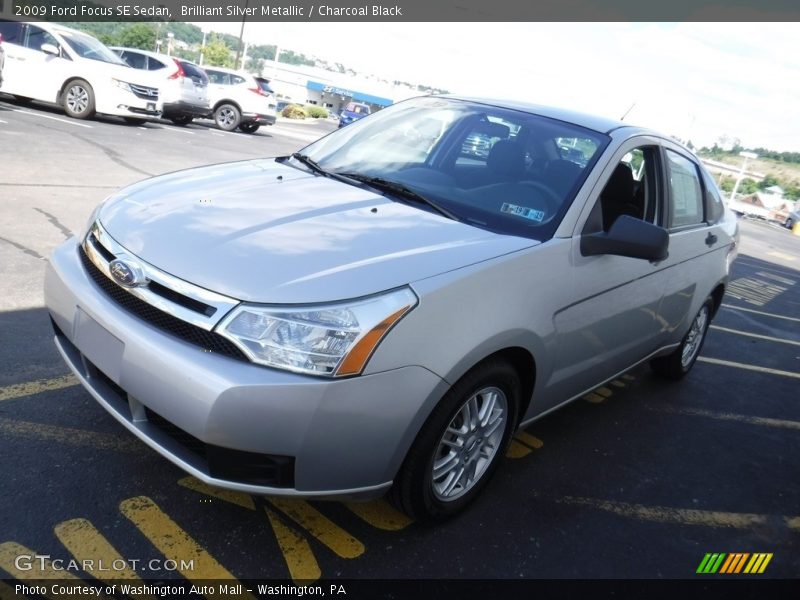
[{"x": 380, "y": 311}]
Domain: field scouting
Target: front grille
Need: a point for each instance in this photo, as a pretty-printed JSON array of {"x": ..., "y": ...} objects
[
  {"x": 207, "y": 340},
  {"x": 143, "y": 92}
]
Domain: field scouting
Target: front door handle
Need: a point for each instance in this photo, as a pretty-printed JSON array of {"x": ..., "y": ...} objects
[{"x": 711, "y": 239}]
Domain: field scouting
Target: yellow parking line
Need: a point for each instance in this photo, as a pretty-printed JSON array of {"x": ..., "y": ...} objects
[
  {"x": 682, "y": 516},
  {"x": 528, "y": 439},
  {"x": 618, "y": 383},
  {"x": 627, "y": 377},
  {"x": 29, "y": 388},
  {"x": 746, "y": 367},
  {"x": 755, "y": 335},
  {"x": 9, "y": 551},
  {"x": 593, "y": 398},
  {"x": 699, "y": 412},
  {"x": 69, "y": 435},
  {"x": 603, "y": 391},
  {"x": 237, "y": 498},
  {"x": 173, "y": 542},
  {"x": 303, "y": 566},
  {"x": 318, "y": 525},
  {"x": 793, "y": 523},
  {"x": 759, "y": 312},
  {"x": 517, "y": 450},
  {"x": 380, "y": 514},
  {"x": 90, "y": 547}
]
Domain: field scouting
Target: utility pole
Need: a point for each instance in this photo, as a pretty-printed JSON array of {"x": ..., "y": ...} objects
[
  {"x": 241, "y": 33},
  {"x": 746, "y": 155}
]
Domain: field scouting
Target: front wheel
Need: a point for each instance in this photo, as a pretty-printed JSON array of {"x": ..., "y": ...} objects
[
  {"x": 78, "y": 99},
  {"x": 460, "y": 446},
  {"x": 227, "y": 117},
  {"x": 676, "y": 365},
  {"x": 250, "y": 127}
]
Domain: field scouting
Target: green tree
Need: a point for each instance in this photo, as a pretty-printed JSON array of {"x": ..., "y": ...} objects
[
  {"x": 138, "y": 35},
  {"x": 216, "y": 53},
  {"x": 768, "y": 181}
]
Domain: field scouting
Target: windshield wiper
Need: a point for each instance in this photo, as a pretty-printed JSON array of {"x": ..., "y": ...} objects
[
  {"x": 314, "y": 166},
  {"x": 399, "y": 189}
]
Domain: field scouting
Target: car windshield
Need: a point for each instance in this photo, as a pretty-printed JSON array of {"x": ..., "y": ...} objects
[
  {"x": 508, "y": 171},
  {"x": 86, "y": 46}
]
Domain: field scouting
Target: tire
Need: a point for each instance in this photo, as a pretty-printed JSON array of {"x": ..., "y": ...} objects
[
  {"x": 227, "y": 117},
  {"x": 426, "y": 496},
  {"x": 78, "y": 99},
  {"x": 675, "y": 366},
  {"x": 250, "y": 127},
  {"x": 181, "y": 120}
]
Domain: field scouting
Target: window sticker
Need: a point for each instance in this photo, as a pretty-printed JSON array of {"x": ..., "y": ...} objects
[{"x": 523, "y": 211}]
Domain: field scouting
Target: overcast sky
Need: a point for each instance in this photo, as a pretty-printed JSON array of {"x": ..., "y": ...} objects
[{"x": 698, "y": 81}]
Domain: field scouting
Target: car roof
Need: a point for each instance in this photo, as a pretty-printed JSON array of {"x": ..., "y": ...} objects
[
  {"x": 159, "y": 55},
  {"x": 231, "y": 71}
]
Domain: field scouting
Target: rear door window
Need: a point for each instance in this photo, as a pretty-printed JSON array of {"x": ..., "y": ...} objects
[
  {"x": 686, "y": 193},
  {"x": 11, "y": 32},
  {"x": 195, "y": 73},
  {"x": 134, "y": 59},
  {"x": 219, "y": 77}
]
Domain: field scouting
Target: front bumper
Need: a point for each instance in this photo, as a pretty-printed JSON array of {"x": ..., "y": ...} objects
[
  {"x": 216, "y": 417},
  {"x": 112, "y": 100}
]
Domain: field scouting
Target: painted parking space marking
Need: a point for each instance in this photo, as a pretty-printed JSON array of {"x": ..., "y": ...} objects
[
  {"x": 754, "y": 290},
  {"x": 522, "y": 444},
  {"x": 87, "y": 545},
  {"x": 29, "y": 388},
  {"x": 721, "y": 416},
  {"x": 758, "y": 336},
  {"x": 39, "y": 569},
  {"x": 70, "y": 436},
  {"x": 680, "y": 516},
  {"x": 176, "y": 130},
  {"x": 380, "y": 514},
  {"x": 759, "y": 312},
  {"x": 778, "y": 278},
  {"x": 299, "y": 558},
  {"x": 173, "y": 542},
  {"x": 747, "y": 367},
  {"x": 318, "y": 525},
  {"x": 41, "y": 116}
]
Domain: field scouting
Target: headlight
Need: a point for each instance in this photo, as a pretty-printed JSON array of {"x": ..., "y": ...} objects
[
  {"x": 333, "y": 339},
  {"x": 121, "y": 84}
]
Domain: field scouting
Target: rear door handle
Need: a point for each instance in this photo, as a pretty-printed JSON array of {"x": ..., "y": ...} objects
[{"x": 711, "y": 239}]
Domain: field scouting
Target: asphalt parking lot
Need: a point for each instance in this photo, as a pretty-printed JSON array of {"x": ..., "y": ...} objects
[{"x": 639, "y": 479}]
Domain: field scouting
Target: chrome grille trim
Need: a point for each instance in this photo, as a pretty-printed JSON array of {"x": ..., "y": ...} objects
[{"x": 221, "y": 304}]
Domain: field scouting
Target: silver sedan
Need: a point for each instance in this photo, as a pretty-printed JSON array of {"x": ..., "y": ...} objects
[{"x": 379, "y": 312}]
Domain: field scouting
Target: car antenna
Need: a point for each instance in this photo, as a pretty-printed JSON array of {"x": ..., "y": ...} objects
[{"x": 622, "y": 118}]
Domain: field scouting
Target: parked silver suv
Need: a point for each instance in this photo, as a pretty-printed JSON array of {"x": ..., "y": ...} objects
[{"x": 380, "y": 311}]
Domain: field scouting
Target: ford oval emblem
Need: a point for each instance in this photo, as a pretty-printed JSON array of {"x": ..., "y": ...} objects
[{"x": 126, "y": 273}]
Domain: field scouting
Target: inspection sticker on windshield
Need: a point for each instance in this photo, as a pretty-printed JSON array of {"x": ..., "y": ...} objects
[{"x": 523, "y": 211}]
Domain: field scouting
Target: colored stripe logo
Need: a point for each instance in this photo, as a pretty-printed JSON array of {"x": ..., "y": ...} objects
[{"x": 734, "y": 563}]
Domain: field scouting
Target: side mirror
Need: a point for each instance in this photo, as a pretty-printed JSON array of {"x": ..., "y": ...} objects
[
  {"x": 629, "y": 237},
  {"x": 50, "y": 49}
]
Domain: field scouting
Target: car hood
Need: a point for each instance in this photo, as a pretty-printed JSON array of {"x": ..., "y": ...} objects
[{"x": 262, "y": 231}]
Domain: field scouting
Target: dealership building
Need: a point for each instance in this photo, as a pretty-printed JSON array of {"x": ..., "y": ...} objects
[{"x": 312, "y": 85}]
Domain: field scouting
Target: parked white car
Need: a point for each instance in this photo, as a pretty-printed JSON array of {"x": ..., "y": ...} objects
[
  {"x": 183, "y": 85},
  {"x": 56, "y": 64},
  {"x": 238, "y": 100}
]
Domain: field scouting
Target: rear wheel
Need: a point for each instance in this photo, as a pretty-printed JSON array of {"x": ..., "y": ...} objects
[
  {"x": 78, "y": 99},
  {"x": 676, "y": 365},
  {"x": 461, "y": 444},
  {"x": 227, "y": 117},
  {"x": 250, "y": 127},
  {"x": 181, "y": 119}
]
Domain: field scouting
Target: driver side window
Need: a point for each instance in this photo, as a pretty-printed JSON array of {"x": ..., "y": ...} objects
[
  {"x": 36, "y": 36},
  {"x": 632, "y": 189}
]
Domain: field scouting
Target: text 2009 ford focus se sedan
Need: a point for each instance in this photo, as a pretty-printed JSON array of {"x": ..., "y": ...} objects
[{"x": 381, "y": 311}]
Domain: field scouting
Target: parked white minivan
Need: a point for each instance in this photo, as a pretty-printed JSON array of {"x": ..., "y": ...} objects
[{"x": 56, "y": 64}]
